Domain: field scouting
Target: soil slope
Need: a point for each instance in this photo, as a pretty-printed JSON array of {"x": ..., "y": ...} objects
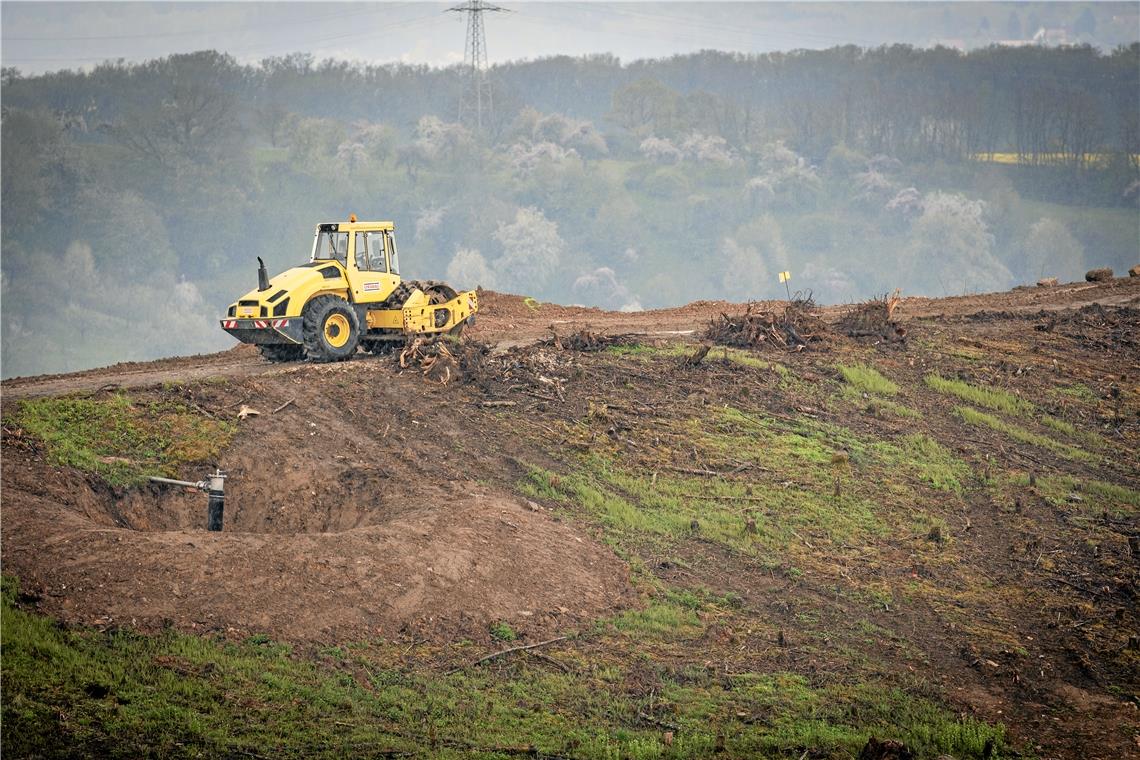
[{"x": 365, "y": 500}]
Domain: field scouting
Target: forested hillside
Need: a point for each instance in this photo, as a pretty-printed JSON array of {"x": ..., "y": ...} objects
[{"x": 135, "y": 197}]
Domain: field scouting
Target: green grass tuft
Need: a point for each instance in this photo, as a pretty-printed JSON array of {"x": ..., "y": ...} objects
[
  {"x": 1096, "y": 496},
  {"x": 974, "y": 417},
  {"x": 1079, "y": 391},
  {"x": 933, "y": 462},
  {"x": 1086, "y": 437},
  {"x": 678, "y": 349},
  {"x": 867, "y": 379},
  {"x": 991, "y": 398},
  {"x": 501, "y": 631}
]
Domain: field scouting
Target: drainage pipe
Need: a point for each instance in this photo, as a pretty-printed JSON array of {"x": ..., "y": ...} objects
[{"x": 214, "y": 486}]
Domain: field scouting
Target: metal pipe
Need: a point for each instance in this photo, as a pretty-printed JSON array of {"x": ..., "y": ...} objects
[
  {"x": 214, "y": 486},
  {"x": 215, "y": 500},
  {"x": 172, "y": 482}
]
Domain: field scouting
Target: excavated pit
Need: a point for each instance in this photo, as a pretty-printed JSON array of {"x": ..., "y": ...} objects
[
  {"x": 365, "y": 507},
  {"x": 327, "y": 498},
  {"x": 256, "y": 502},
  {"x": 339, "y": 560}
]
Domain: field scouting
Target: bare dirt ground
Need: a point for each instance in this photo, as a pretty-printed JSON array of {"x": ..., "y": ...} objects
[
  {"x": 333, "y": 529},
  {"x": 508, "y": 320},
  {"x": 375, "y": 503}
]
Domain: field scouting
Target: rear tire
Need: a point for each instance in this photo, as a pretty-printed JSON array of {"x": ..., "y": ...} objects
[
  {"x": 282, "y": 352},
  {"x": 331, "y": 329}
]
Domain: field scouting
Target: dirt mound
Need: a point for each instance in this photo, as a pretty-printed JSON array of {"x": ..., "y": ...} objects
[
  {"x": 437, "y": 571},
  {"x": 349, "y": 513}
]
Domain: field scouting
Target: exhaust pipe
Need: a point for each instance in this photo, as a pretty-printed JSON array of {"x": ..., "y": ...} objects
[{"x": 262, "y": 275}]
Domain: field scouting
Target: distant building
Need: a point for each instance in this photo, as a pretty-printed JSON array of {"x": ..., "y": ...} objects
[{"x": 1014, "y": 43}]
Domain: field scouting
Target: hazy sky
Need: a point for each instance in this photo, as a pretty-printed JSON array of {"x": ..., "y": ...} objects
[{"x": 44, "y": 36}]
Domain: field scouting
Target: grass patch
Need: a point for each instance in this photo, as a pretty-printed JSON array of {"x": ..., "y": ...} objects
[
  {"x": 659, "y": 621},
  {"x": 635, "y": 507},
  {"x": 119, "y": 439},
  {"x": 77, "y": 692},
  {"x": 991, "y": 398},
  {"x": 877, "y": 406},
  {"x": 1087, "y": 437},
  {"x": 867, "y": 379},
  {"x": 1079, "y": 391},
  {"x": 933, "y": 463},
  {"x": 676, "y": 350},
  {"x": 647, "y": 350},
  {"x": 974, "y": 417},
  {"x": 806, "y": 717},
  {"x": 1059, "y": 425},
  {"x": 501, "y": 631},
  {"x": 1096, "y": 496}
]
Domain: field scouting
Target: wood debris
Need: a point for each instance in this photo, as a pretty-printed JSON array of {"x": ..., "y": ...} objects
[
  {"x": 583, "y": 340},
  {"x": 792, "y": 329},
  {"x": 874, "y": 319},
  {"x": 443, "y": 361}
]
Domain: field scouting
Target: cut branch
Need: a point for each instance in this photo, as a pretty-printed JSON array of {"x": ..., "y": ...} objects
[{"x": 503, "y": 652}]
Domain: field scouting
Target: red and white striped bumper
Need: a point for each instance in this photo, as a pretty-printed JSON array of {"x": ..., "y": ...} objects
[{"x": 265, "y": 331}]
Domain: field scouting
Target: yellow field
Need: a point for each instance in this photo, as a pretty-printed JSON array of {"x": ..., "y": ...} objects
[{"x": 1099, "y": 160}]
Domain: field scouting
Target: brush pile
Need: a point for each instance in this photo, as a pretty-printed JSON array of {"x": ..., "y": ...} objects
[
  {"x": 792, "y": 329},
  {"x": 443, "y": 362},
  {"x": 874, "y": 318}
]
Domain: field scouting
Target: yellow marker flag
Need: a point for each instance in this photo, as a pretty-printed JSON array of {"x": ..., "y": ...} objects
[{"x": 785, "y": 276}]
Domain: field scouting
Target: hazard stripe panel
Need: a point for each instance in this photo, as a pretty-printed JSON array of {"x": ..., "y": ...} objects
[{"x": 231, "y": 324}]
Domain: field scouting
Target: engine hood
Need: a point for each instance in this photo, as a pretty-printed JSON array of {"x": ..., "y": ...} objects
[{"x": 295, "y": 285}]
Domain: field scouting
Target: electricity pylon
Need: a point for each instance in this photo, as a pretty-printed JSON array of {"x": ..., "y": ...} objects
[{"x": 475, "y": 103}]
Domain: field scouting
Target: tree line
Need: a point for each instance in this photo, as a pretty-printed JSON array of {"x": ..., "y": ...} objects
[
  {"x": 1043, "y": 104},
  {"x": 135, "y": 196}
]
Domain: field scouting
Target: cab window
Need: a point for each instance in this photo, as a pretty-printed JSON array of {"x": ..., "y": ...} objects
[
  {"x": 392, "y": 253},
  {"x": 332, "y": 245},
  {"x": 370, "y": 252}
]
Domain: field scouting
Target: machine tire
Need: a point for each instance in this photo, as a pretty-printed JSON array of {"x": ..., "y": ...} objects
[
  {"x": 438, "y": 293},
  {"x": 331, "y": 329},
  {"x": 279, "y": 352},
  {"x": 398, "y": 297}
]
